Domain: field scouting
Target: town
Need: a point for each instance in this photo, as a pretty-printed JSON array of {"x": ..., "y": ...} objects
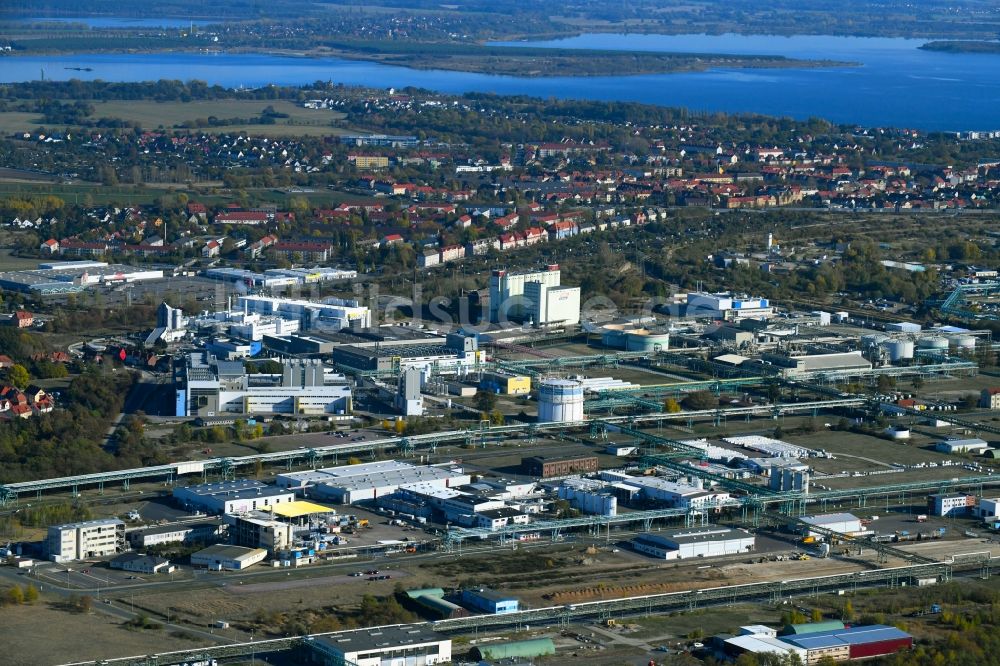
[{"x": 477, "y": 379}]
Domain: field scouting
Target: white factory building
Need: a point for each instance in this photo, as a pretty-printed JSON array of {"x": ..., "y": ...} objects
[
  {"x": 845, "y": 523},
  {"x": 708, "y": 541},
  {"x": 679, "y": 495},
  {"x": 404, "y": 645},
  {"x": 92, "y": 538},
  {"x": 236, "y": 496},
  {"x": 552, "y": 306},
  {"x": 507, "y": 292},
  {"x": 967, "y": 445},
  {"x": 207, "y": 386},
  {"x": 368, "y": 481},
  {"x": 702, "y": 305},
  {"x": 330, "y": 314}
]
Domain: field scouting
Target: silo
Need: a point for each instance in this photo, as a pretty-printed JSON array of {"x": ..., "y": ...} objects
[
  {"x": 613, "y": 335},
  {"x": 899, "y": 350},
  {"x": 560, "y": 400}
]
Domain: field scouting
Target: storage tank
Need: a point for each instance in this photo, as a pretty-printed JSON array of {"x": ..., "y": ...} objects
[
  {"x": 643, "y": 340},
  {"x": 933, "y": 343},
  {"x": 899, "y": 350},
  {"x": 560, "y": 400},
  {"x": 613, "y": 335},
  {"x": 873, "y": 339},
  {"x": 965, "y": 344}
]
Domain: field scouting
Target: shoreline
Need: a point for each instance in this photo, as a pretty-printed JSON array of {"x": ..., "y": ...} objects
[{"x": 504, "y": 61}]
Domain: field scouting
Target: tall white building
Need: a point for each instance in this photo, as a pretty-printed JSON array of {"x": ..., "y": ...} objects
[
  {"x": 92, "y": 538},
  {"x": 507, "y": 298},
  {"x": 552, "y": 306}
]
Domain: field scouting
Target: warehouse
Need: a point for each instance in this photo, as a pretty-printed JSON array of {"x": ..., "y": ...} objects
[
  {"x": 231, "y": 496},
  {"x": 430, "y": 602},
  {"x": 354, "y": 483},
  {"x": 845, "y": 523},
  {"x": 709, "y": 541},
  {"x": 410, "y": 645},
  {"x": 529, "y": 649},
  {"x": 227, "y": 558},
  {"x": 851, "y": 643},
  {"x": 489, "y": 601},
  {"x": 969, "y": 445},
  {"x": 762, "y": 644}
]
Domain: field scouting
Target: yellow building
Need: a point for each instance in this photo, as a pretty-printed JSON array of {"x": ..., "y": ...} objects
[{"x": 505, "y": 384}]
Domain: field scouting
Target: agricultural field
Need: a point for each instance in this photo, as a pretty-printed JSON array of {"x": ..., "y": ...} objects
[{"x": 151, "y": 115}]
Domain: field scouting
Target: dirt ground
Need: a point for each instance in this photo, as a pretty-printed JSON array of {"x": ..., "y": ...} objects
[{"x": 31, "y": 631}]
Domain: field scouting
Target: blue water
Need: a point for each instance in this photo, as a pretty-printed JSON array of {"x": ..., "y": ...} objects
[
  {"x": 896, "y": 84},
  {"x": 115, "y": 22}
]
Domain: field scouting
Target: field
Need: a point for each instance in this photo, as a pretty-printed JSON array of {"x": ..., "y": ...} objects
[
  {"x": 11, "y": 263},
  {"x": 27, "y": 643},
  {"x": 152, "y": 115}
]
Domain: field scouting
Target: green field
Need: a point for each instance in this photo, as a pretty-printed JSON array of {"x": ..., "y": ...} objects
[{"x": 152, "y": 115}]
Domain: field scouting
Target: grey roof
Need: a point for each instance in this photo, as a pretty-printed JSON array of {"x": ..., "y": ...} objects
[
  {"x": 179, "y": 527},
  {"x": 693, "y": 535},
  {"x": 224, "y": 551},
  {"x": 383, "y": 638},
  {"x": 491, "y": 595}
]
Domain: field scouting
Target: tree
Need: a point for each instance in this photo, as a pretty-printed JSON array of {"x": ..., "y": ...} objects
[
  {"x": 486, "y": 401},
  {"x": 847, "y": 614},
  {"x": 30, "y": 594},
  {"x": 701, "y": 400},
  {"x": 15, "y": 595},
  {"x": 816, "y": 615},
  {"x": 18, "y": 376},
  {"x": 671, "y": 406},
  {"x": 496, "y": 417}
]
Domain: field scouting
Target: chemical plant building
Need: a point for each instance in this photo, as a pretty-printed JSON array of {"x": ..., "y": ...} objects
[
  {"x": 207, "y": 386},
  {"x": 547, "y": 468},
  {"x": 726, "y": 307},
  {"x": 950, "y": 504},
  {"x": 709, "y": 541},
  {"x": 232, "y": 496},
  {"x": 330, "y": 314},
  {"x": 405, "y": 644},
  {"x": 203, "y": 531},
  {"x": 968, "y": 445},
  {"x": 80, "y": 541},
  {"x": 534, "y": 296},
  {"x": 453, "y": 354},
  {"x": 355, "y": 483}
]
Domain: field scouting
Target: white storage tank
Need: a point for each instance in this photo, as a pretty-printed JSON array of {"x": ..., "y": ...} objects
[
  {"x": 560, "y": 400},
  {"x": 899, "y": 350},
  {"x": 869, "y": 340},
  {"x": 933, "y": 343},
  {"x": 643, "y": 340},
  {"x": 965, "y": 344}
]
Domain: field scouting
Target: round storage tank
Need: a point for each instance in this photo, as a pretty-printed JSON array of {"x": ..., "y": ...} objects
[
  {"x": 964, "y": 343},
  {"x": 641, "y": 340},
  {"x": 933, "y": 343},
  {"x": 899, "y": 350},
  {"x": 872, "y": 339},
  {"x": 613, "y": 335},
  {"x": 560, "y": 400}
]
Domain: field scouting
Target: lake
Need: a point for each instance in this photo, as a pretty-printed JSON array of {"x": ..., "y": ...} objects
[{"x": 896, "y": 85}]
